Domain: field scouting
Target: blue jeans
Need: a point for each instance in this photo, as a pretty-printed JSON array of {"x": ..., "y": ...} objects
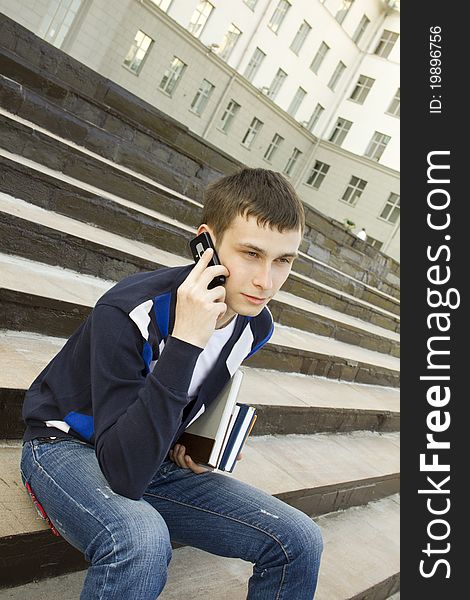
[{"x": 127, "y": 541}]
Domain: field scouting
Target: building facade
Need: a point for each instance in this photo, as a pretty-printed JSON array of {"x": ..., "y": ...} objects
[{"x": 309, "y": 88}]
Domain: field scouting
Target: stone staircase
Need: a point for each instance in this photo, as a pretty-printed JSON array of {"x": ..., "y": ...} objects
[{"x": 96, "y": 185}]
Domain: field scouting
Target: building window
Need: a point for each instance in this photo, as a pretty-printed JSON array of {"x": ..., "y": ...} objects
[
  {"x": 172, "y": 76},
  {"x": 300, "y": 37},
  {"x": 273, "y": 147},
  {"x": 58, "y": 20},
  {"x": 318, "y": 174},
  {"x": 340, "y": 67},
  {"x": 319, "y": 57},
  {"x": 252, "y": 132},
  {"x": 228, "y": 43},
  {"x": 354, "y": 190},
  {"x": 254, "y": 64},
  {"x": 343, "y": 10},
  {"x": 394, "y": 108},
  {"x": 163, "y": 4},
  {"x": 360, "y": 29},
  {"x": 229, "y": 114},
  {"x": 202, "y": 96},
  {"x": 276, "y": 83},
  {"x": 391, "y": 210},
  {"x": 296, "y": 101},
  {"x": 279, "y": 15},
  {"x": 377, "y": 145},
  {"x": 251, "y": 3},
  {"x": 340, "y": 131},
  {"x": 138, "y": 52},
  {"x": 288, "y": 169},
  {"x": 315, "y": 116},
  {"x": 386, "y": 43},
  {"x": 200, "y": 17},
  {"x": 363, "y": 87}
]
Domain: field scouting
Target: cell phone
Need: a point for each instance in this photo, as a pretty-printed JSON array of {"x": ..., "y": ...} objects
[{"x": 198, "y": 246}]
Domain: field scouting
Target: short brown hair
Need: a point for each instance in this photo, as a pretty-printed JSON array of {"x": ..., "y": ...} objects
[{"x": 260, "y": 193}]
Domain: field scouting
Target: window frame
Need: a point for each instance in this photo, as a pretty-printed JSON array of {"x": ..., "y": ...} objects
[
  {"x": 355, "y": 191},
  {"x": 56, "y": 26},
  {"x": 292, "y": 161},
  {"x": 231, "y": 112},
  {"x": 174, "y": 81},
  {"x": 360, "y": 29},
  {"x": 339, "y": 129},
  {"x": 160, "y": 2},
  {"x": 300, "y": 37},
  {"x": 250, "y": 75},
  {"x": 136, "y": 49},
  {"x": 362, "y": 88},
  {"x": 377, "y": 146},
  {"x": 395, "y": 99},
  {"x": 296, "y": 101},
  {"x": 392, "y": 207},
  {"x": 273, "y": 147},
  {"x": 342, "y": 12},
  {"x": 276, "y": 84},
  {"x": 278, "y": 16},
  {"x": 255, "y": 127},
  {"x": 192, "y": 25},
  {"x": 314, "y": 118},
  {"x": 336, "y": 75},
  {"x": 202, "y": 97},
  {"x": 320, "y": 174},
  {"x": 226, "y": 49},
  {"x": 385, "y": 46},
  {"x": 319, "y": 57}
]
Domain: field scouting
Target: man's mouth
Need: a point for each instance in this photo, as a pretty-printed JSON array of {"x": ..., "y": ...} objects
[{"x": 255, "y": 299}]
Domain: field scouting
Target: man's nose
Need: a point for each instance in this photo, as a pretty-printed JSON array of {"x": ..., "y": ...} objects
[{"x": 263, "y": 277}]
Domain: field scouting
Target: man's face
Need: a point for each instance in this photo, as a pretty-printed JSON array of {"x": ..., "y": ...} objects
[{"x": 259, "y": 260}]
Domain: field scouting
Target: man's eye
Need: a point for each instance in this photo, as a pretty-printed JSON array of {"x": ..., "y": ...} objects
[{"x": 253, "y": 254}]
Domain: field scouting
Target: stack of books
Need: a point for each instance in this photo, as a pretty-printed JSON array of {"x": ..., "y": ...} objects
[{"x": 217, "y": 437}]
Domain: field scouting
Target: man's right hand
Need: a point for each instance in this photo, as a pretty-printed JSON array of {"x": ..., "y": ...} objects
[{"x": 198, "y": 308}]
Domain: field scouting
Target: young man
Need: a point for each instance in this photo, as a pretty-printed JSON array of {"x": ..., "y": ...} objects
[{"x": 103, "y": 418}]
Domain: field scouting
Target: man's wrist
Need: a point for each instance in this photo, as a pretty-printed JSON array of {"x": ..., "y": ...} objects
[
  {"x": 176, "y": 363},
  {"x": 193, "y": 340}
]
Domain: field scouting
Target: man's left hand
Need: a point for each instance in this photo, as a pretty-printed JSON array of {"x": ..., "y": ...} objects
[{"x": 178, "y": 455}]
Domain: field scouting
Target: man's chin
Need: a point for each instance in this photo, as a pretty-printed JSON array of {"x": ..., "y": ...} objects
[{"x": 250, "y": 311}]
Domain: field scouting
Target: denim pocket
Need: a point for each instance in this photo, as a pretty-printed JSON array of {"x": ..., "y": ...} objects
[{"x": 42, "y": 447}]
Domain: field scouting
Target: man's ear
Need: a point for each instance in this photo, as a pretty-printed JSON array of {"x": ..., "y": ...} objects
[{"x": 204, "y": 227}]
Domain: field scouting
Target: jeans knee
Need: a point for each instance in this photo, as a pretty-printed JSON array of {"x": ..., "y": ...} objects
[
  {"x": 143, "y": 542},
  {"x": 305, "y": 541},
  {"x": 147, "y": 541}
]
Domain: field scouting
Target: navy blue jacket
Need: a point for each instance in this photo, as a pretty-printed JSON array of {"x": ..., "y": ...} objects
[{"x": 120, "y": 382}]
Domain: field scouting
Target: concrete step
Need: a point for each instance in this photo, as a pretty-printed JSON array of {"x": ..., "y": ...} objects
[
  {"x": 22, "y": 278},
  {"x": 33, "y": 147},
  {"x": 286, "y": 402},
  {"x": 289, "y": 349},
  {"x": 360, "y": 561},
  {"x": 139, "y": 144},
  {"x": 354, "y": 565},
  {"x": 343, "y": 470},
  {"x": 56, "y": 239},
  {"x": 53, "y": 190}
]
